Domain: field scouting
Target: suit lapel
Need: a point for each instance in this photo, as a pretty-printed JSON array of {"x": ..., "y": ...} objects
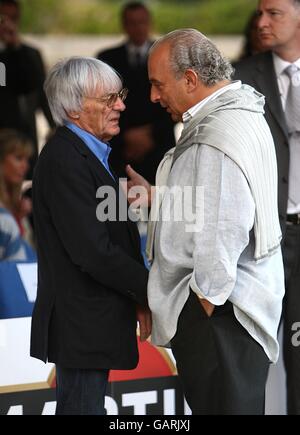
[
  {"x": 100, "y": 172},
  {"x": 267, "y": 84}
]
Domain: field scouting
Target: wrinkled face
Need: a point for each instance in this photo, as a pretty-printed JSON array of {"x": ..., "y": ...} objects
[
  {"x": 99, "y": 118},
  {"x": 165, "y": 88},
  {"x": 278, "y": 23},
  {"x": 15, "y": 167},
  {"x": 137, "y": 25}
]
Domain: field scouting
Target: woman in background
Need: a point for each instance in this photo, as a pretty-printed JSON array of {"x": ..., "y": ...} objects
[{"x": 15, "y": 152}]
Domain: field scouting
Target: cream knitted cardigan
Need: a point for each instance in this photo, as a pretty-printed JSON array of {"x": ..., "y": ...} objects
[{"x": 234, "y": 124}]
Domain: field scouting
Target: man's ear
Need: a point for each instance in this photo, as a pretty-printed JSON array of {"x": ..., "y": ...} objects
[
  {"x": 191, "y": 80},
  {"x": 73, "y": 115}
]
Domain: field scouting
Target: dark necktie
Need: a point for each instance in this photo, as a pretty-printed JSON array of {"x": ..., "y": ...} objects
[{"x": 138, "y": 60}]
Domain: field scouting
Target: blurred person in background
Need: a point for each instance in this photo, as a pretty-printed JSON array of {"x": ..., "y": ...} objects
[
  {"x": 147, "y": 131},
  {"x": 15, "y": 152},
  {"x": 24, "y": 94},
  {"x": 276, "y": 74}
]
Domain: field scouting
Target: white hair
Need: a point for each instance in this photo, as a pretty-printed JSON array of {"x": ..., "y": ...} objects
[
  {"x": 73, "y": 78},
  {"x": 190, "y": 49}
]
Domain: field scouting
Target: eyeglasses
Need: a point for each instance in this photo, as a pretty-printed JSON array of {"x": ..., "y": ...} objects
[{"x": 110, "y": 99}]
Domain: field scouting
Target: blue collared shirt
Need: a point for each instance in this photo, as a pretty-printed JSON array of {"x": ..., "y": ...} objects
[{"x": 100, "y": 149}]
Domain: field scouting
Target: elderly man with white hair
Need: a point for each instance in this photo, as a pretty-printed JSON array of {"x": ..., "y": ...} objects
[{"x": 91, "y": 277}]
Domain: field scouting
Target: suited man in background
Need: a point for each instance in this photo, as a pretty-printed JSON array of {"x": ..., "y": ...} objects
[
  {"x": 27, "y": 100},
  {"x": 92, "y": 283},
  {"x": 20, "y": 79},
  {"x": 146, "y": 130},
  {"x": 279, "y": 29}
]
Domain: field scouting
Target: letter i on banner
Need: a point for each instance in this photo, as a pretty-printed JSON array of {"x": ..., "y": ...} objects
[{"x": 2, "y": 74}]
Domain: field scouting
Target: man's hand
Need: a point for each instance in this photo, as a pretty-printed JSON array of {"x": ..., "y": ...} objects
[
  {"x": 142, "y": 197},
  {"x": 145, "y": 322}
]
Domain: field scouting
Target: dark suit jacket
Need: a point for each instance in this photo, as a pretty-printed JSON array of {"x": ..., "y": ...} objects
[
  {"x": 36, "y": 99},
  {"x": 139, "y": 111},
  {"x": 258, "y": 71},
  {"x": 20, "y": 79},
  {"x": 90, "y": 273}
]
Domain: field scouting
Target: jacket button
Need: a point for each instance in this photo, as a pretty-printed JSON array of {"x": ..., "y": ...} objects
[{"x": 284, "y": 180}]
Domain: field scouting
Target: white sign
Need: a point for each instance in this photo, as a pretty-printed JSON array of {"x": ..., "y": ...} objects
[{"x": 28, "y": 275}]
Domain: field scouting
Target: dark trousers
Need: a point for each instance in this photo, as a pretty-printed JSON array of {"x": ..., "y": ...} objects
[
  {"x": 291, "y": 316},
  {"x": 222, "y": 368},
  {"x": 80, "y": 391}
]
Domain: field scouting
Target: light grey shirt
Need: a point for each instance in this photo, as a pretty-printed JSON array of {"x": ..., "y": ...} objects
[{"x": 216, "y": 260}]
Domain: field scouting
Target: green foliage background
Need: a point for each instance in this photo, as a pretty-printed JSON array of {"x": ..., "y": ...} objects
[{"x": 102, "y": 16}]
